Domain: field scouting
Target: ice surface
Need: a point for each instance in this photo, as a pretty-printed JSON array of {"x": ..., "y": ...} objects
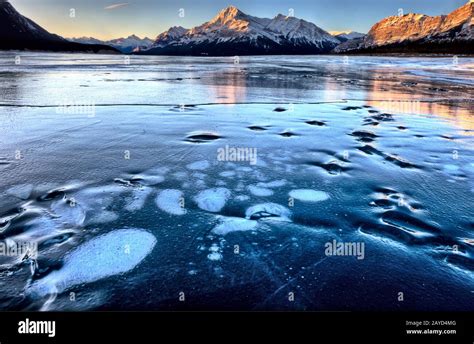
[
  {"x": 212, "y": 200},
  {"x": 389, "y": 143},
  {"x": 21, "y": 191},
  {"x": 171, "y": 202},
  {"x": 107, "y": 255}
]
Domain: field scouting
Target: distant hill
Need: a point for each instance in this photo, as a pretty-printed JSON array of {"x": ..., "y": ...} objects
[
  {"x": 20, "y": 33},
  {"x": 125, "y": 45},
  {"x": 344, "y": 36}
]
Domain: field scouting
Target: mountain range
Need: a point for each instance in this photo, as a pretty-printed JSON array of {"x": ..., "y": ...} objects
[
  {"x": 233, "y": 32},
  {"x": 20, "y": 33},
  {"x": 452, "y": 33},
  {"x": 125, "y": 45},
  {"x": 344, "y": 36}
]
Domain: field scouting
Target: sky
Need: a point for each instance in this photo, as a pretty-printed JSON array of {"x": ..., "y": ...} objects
[{"x": 107, "y": 19}]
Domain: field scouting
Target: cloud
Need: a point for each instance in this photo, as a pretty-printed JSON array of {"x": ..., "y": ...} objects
[{"x": 116, "y": 6}]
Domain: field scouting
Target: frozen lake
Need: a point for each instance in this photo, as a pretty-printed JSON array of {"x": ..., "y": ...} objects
[{"x": 162, "y": 183}]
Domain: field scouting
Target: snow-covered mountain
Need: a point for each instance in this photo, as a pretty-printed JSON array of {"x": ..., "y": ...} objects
[
  {"x": 20, "y": 33},
  {"x": 233, "y": 32},
  {"x": 452, "y": 33},
  {"x": 125, "y": 45},
  {"x": 167, "y": 37},
  {"x": 344, "y": 36}
]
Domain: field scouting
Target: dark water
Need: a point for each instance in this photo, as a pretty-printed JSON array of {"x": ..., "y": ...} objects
[{"x": 116, "y": 172}]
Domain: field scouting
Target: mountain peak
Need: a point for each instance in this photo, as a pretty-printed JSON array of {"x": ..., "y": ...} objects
[
  {"x": 228, "y": 14},
  {"x": 230, "y": 11},
  {"x": 279, "y": 15}
]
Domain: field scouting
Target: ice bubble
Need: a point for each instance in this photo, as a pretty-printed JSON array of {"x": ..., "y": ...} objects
[
  {"x": 212, "y": 200},
  {"x": 180, "y": 175},
  {"x": 234, "y": 224},
  {"x": 227, "y": 174},
  {"x": 138, "y": 198},
  {"x": 245, "y": 169},
  {"x": 199, "y": 165},
  {"x": 273, "y": 184},
  {"x": 215, "y": 254},
  {"x": 199, "y": 175},
  {"x": 69, "y": 212},
  {"x": 152, "y": 180},
  {"x": 307, "y": 195},
  {"x": 268, "y": 210},
  {"x": 258, "y": 191},
  {"x": 171, "y": 201},
  {"x": 242, "y": 198},
  {"x": 102, "y": 217},
  {"x": 110, "y": 254}
]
